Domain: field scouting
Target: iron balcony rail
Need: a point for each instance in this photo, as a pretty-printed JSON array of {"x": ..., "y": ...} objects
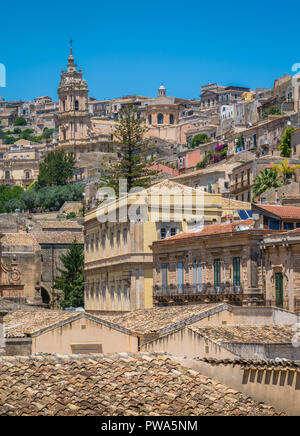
[{"x": 196, "y": 289}]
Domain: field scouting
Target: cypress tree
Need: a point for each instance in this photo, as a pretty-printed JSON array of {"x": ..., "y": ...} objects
[{"x": 71, "y": 279}]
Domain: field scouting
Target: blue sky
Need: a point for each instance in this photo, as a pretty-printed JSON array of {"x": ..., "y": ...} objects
[{"x": 131, "y": 47}]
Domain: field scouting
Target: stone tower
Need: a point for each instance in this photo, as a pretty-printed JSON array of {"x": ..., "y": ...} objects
[
  {"x": 73, "y": 118},
  {"x": 162, "y": 92}
]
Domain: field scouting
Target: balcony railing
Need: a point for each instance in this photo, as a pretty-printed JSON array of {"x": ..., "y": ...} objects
[{"x": 196, "y": 289}]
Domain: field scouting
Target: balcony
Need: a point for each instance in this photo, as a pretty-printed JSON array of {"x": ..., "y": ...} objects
[{"x": 198, "y": 292}]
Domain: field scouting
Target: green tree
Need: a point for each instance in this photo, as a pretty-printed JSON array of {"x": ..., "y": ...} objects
[
  {"x": 130, "y": 134},
  {"x": 56, "y": 169},
  {"x": 20, "y": 121},
  {"x": 266, "y": 180},
  {"x": 285, "y": 146},
  {"x": 71, "y": 279},
  {"x": 9, "y": 195},
  {"x": 201, "y": 138},
  {"x": 284, "y": 170}
]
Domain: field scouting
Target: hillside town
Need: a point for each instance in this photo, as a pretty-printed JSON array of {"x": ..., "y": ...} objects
[{"x": 177, "y": 295}]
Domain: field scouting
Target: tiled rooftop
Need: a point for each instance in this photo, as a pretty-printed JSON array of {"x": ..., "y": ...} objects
[
  {"x": 285, "y": 212},
  {"x": 21, "y": 323},
  {"x": 116, "y": 385},
  {"x": 267, "y": 334},
  {"x": 279, "y": 364},
  {"x": 213, "y": 229},
  {"x": 18, "y": 239},
  {"x": 153, "y": 320},
  {"x": 58, "y": 237},
  {"x": 65, "y": 224}
]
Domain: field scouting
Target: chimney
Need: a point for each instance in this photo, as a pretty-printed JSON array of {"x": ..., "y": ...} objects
[{"x": 2, "y": 334}]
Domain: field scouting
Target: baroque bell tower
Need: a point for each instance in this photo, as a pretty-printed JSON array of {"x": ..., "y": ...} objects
[{"x": 73, "y": 118}]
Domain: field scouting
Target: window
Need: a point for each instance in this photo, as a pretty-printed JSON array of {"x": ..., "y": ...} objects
[
  {"x": 217, "y": 272},
  {"x": 248, "y": 177},
  {"x": 236, "y": 271},
  {"x": 125, "y": 236},
  {"x": 274, "y": 225},
  {"x": 150, "y": 119},
  {"x": 171, "y": 119},
  {"x": 288, "y": 226},
  {"x": 163, "y": 233},
  {"x": 194, "y": 273},
  {"x": 112, "y": 293},
  {"x": 249, "y": 197},
  {"x": 160, "y": 119},
  {"x": 173, "y": 231},
  {"x": 112, "y": 239},
  {"x": 76, "y": 105},
  {"x": 103, "y": 240},
  {"x": 7, "y": 174},
  {"x": 180, "y": 277},
  {"x": 118, "y": 237},
  {"x": 164, "y": 276},
  {"x": 119, "y": 291},
  {"x": 27, "y": 175}
]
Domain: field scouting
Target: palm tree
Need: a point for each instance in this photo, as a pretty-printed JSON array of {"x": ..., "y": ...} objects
[
  {"x": 285, "y": 170},
  {"x": 266, "y": 180}
]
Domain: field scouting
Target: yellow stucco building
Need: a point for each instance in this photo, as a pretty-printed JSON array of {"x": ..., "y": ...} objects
[{"x": 118, "y": 235}]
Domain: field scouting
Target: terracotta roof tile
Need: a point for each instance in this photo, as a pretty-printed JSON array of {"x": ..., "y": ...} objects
[
  {"x": 287, "y": 212},
  {"x": 115, "y": 385},
  {"x": 18, "y": 239},
  {"x": 213, "y": 229},
  {"x": 65, "y": 224},
  {"x": 58, "y": 237},
  {"x": 266, "y": 334},
  {"x": 157, "y": 319},
  {"x": 20, "y": 323}
]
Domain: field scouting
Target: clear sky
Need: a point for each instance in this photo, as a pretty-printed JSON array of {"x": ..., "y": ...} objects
[{"x": 130, "y": 47}]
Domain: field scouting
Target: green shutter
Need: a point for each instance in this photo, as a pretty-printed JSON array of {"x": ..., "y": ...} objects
[
  {"x": 217, "y": 272},
  {"x": 236, "y": 271},
  {"x": 279, "y": 289}
]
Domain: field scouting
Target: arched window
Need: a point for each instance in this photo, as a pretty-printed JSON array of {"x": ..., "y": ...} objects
[
  {"x": 76, "y": 105},
  {"x": 7, "y": 174},
  {"x": 160, "y": 119},
  {"x": 27, "y": 174},
  {"x": 171, "y": 119},
  {"x": 150, "y": 119}
]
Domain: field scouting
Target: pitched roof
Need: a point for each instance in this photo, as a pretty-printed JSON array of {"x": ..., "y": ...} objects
[
  {"x": 20, "y": 324},
  {"x": 285, "y": 212},
  {"x": 65, "y": 224},
  {"x": 18, "y": 239},
  {"x": 160, "y": 319},
  {"x": 263, "y": 334},
  {"x": 59, "y": 237},
  {"x": 213, "y": 229},
  {"x": 115, "y": 385}
]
